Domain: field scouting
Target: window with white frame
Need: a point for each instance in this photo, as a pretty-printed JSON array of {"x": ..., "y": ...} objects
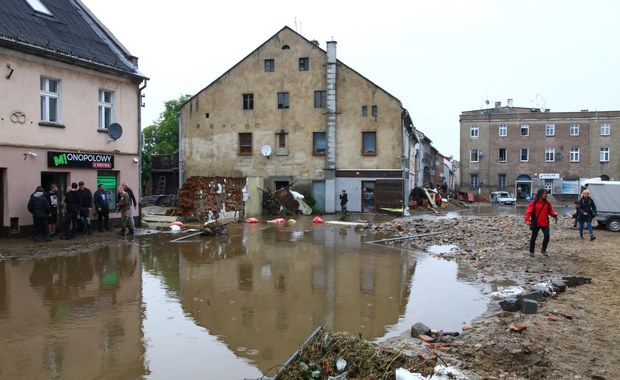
[
  {"x": 525, "y": 154},
  {"x": 473, "y": 181},
  {"x": 605, "y": 129},
  {"x": 525, "y": 130},
  {"x": 604, "y": 155},
  {"x": 474, "y": 131},
  {"x": 503, "y": 130},
  {"x": 550, "y": 130},
  {"x": 474, "y": 155},
  {"x": 503, "y": 155},
  {"x": 574, "y": 129},
  {"x": 549, "y": 154},
  {"x": 501, "y": 182},
  {"x": 50, "y": 100},
  {"x": 106, "y": 99},
  {"x": 573, "y": 156}
]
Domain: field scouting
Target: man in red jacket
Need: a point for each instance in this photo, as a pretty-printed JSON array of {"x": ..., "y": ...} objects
[{"x": 537, "y": 216}]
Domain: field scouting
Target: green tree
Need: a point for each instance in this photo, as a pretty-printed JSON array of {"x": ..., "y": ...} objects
[{"x": 162, "y": 137}]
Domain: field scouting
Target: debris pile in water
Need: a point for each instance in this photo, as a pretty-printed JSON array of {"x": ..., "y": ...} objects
[{"x": 330, "y": 355}]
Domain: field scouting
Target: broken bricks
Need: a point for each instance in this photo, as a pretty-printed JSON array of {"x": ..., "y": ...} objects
[{"x": 528, "y": 302}]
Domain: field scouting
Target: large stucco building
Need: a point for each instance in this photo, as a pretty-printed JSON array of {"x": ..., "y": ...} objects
[
  {"x": 65, "y": 80},
  {"x": 291, "y": 112},
  {"x": 522, "y": 149}
]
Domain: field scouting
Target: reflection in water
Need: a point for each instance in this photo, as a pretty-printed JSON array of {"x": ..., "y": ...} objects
[
  {"x": 72, "y": 317},
  {"x": 231, "y": 307},
  {"x": 266, "y": 287}
]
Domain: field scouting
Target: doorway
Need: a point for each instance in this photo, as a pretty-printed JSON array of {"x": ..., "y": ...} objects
[
  {"x": 57, "y": 178},
  {"x": 523, "y": 189},
  {"x": 549, "y": 186},
  {"x": 368, "y": 196}
]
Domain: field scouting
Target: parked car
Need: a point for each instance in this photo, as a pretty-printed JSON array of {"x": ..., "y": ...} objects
[{"x": 503, "y": 198}]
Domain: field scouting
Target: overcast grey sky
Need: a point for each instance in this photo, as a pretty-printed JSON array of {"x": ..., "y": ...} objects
[{"x": 438, "y": 57}]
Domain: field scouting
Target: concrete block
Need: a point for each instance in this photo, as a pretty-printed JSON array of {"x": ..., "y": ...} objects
[
  {"x": 529, "y": 306},
  {"x": 511, "y": 303},
  {"x": 536, "y": 295}
]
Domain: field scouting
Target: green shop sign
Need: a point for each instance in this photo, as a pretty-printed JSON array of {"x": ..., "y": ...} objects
[{"x": 80, "y": 160}]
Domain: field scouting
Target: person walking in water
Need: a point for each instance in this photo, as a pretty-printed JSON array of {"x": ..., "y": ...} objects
[
  {"x": 586, "y": 212},
  {"x": 537, "y": 216}
]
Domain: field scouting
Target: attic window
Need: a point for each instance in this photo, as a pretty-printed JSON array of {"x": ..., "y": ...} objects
[
  {"x": 286, "y": 47},
  {"x": 38, "y": 7}
]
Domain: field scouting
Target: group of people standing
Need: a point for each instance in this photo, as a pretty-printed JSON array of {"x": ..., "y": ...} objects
[
  {"x": 75, "y": 208},
  {"x": 539, "y": 210}
]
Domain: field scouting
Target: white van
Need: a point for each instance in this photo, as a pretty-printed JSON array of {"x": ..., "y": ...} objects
[
  {"x": 606, "y": 196},
  {"x": 502, "y": 198}
]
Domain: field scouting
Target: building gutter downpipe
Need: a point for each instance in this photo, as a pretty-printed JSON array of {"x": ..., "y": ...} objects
[
  {"x": 140, "y": 144},
  {"x": 330, "y": 152}
]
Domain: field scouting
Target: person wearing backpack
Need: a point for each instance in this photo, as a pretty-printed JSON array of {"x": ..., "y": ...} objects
[{"x": 537, "y": 216}]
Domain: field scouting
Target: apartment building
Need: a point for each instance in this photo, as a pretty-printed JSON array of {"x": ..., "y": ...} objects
[
  {"x": 70, "y": 109},
  {"x": 521, "y": 149},
  {"x": 290, "y": 112}
]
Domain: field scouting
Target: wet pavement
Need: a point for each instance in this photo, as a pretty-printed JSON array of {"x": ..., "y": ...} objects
[{"x": 227, "y": 307}]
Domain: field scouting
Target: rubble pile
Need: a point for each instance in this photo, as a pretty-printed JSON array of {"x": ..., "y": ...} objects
[
  {"x": 336, "y": 355},
  {"x": 201, "y": 195},
  {"x": 473, "y": 235}
]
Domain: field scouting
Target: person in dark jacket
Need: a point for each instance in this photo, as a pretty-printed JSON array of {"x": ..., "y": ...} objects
[
  {"x": 39, "y": 206},
  {"x": 85, "y": 205},
  {"x": 586, "y": 212},
  {"x": 52, "y": 197},
  {"x": 344, "y": 199},
  {"x": 102, "y": 207},
  {"x": 71, "y": 212},
  {"x": 537, "y": 216}
]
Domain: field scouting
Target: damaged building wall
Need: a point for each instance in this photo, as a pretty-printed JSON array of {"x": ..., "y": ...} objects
[{"x": 223, "y": 195}]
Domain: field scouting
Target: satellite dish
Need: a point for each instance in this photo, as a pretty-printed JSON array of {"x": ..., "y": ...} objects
[
  {"x": 115, "y": 131},
  {"x": 266, "y": 150}
]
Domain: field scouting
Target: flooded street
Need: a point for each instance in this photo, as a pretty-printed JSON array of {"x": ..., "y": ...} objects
[{"x": 228, "y": 307}]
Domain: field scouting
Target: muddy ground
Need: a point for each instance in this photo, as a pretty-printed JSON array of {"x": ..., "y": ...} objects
[{"x": 574, "y": 335}]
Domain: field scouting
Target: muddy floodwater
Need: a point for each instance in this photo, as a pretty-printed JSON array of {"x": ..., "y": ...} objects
[{"x": 229, "y": 307}]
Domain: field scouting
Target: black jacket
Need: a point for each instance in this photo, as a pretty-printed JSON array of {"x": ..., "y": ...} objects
[
  {"x": 84, "y": 198},
  {"x": 587, "y": 209},
  {"x": 71, "y": 202},
  {"x": 38, "y": 205},
  {"x": 131, "y": 196}
]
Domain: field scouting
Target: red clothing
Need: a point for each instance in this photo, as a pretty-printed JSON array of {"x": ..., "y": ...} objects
[{"x": 543, "y": 210}]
